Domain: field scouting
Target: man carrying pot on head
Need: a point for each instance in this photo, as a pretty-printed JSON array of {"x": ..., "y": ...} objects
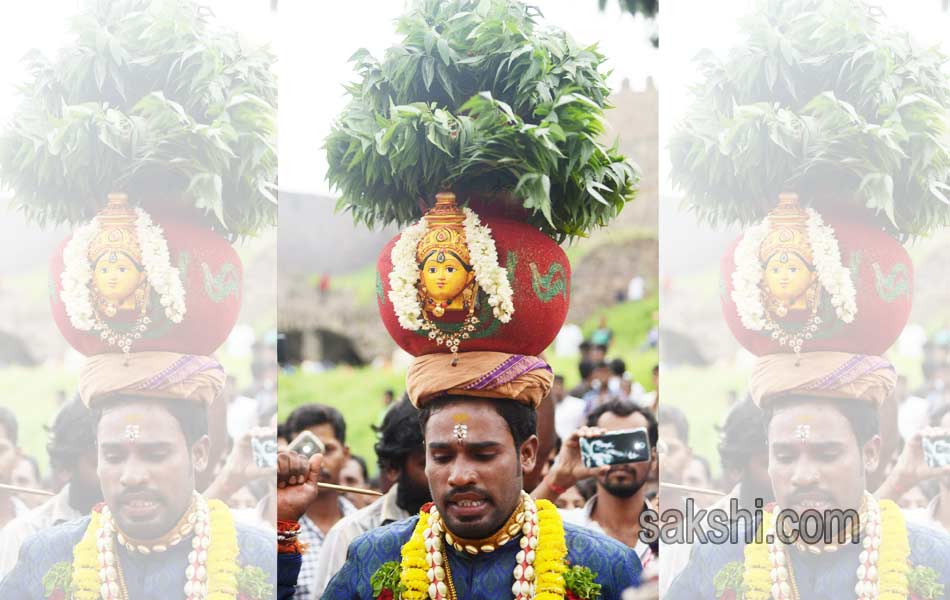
[
  {"x": 482, "y": 537},
  {"x": 822, "y": 430},
  {"x": 155, "y": 536}
]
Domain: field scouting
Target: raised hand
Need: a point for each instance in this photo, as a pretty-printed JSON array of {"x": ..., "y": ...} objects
[{"x": 297, "y": 480}]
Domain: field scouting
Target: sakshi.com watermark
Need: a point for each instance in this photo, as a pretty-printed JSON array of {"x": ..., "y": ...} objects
[{"x": 742, "y": 525}]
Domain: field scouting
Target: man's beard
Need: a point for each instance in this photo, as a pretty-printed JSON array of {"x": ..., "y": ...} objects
[
  {"x": 83, "y": 496},
  {"x": 750, "y": 489},
  {"x": 410, "y": 496},
  {"x": 623, "y": 489}
]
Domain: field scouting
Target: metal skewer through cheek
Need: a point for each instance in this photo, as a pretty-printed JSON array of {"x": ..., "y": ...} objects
[
  {"x": 346, "y": 488},
  {"x": 15, "y": 488},
  {"x": 339, "y": 488},
  {"x": 689, "y": 488}
]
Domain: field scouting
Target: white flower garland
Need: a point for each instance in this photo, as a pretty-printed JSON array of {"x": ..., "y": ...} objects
[
  {"x": 490, "y": 276},
  {"x": 833, "y": 276},
  {"x": 196, "y": 574},
  {"x": 156, "y": 261},
  {"x": 867, "y": 572},
  {"x": 404, "y": 276},
  {"x": 77, "y": 274},
  {"x": 524, "y": 573},
  {"x": 747, "y": 277},
  {"x": 488, "y": 273}
]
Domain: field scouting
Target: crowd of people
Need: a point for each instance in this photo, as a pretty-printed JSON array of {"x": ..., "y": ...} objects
[
  {"x": 906, "y": 473},
  {"x": 70, "y": 488},
  {"x": 608, "y": 500}
]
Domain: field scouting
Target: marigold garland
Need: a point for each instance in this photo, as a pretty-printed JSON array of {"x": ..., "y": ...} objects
[
  {"x": 892, "y": 563},
  {"x": 894, "y": 554},
  {"x": 756, "y": 579},
  {"x": 222, "y": 554},
  {"x": 85, "y": 579},
  {"x": 413, "y": 576},
  {"x": 549, "y": 562},
  {"x": 221, "y": 563}
]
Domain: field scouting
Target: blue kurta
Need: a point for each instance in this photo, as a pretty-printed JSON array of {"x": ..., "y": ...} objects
[
  {"x": 288, "y": 568},
  {"x": 485, "y": 576},
  {"x": 152, "y": 577},
  {"x": 827, "y": 576}
]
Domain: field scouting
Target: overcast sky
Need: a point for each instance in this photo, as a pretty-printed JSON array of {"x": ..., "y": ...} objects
[
  {"x": 689, "y": 27},
  {"x": 314, "y": 39},
  {"x": 317, "y": 38}
]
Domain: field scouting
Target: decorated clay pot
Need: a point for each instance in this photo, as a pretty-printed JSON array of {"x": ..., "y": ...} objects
[
  {"x": 211, "y": 275},
  {"x": 883, "y": 278},
  {"x": 539, "y": 274}
]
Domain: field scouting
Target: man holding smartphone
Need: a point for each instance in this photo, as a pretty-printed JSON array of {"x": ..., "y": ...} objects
[
  {"x": 328, "y": 430},
  {"x": 621, "y": 496}
]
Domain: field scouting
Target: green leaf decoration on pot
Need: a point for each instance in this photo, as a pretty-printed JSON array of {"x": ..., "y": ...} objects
[
  {"x": 480, "y": 99},
  {"x": 819, "y": 98},
  {"x": 152, "y": 100},
  {"x": 550, "y": 285},
  {"x": 893, "y": 284},
  {"x": 224, "y": 283}
]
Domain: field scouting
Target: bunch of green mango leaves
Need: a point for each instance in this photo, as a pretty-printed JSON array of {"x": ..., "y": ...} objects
[
  {"x": 479, "y": 97},
  {"x": 820, "y": 99},
  {"x": 152, "y": 99}
]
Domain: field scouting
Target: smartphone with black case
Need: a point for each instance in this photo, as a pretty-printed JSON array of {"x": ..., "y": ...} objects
[{"x": 616, "y": 447}]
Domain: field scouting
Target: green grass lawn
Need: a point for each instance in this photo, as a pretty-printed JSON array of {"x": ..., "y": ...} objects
[
  {"x": 630, "y": 322},
  {"x": 358, "y": 392},
  {"x": 702, "y": 393},
  {"x": 30, "y": 392}
]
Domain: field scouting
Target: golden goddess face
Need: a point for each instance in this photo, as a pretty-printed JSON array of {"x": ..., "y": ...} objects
[
  {"x": 444, "y": 277},
  {"x": 788, "y": 277},
  {"x": 116, "y": 277}
]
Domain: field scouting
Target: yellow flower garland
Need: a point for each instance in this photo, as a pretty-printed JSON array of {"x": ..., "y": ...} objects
[
  {"x": 893, "y": 565},
  {"x": 85, "y": 579},
  {"x": 549, "y": 563},
  {"x": 222, "y": 557},
  {"x": 413, "y": 566},
  {"x": 893, "y": 560},
  {"x": 756, "y": 580},
  {"x": 222, "y": 554}
]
